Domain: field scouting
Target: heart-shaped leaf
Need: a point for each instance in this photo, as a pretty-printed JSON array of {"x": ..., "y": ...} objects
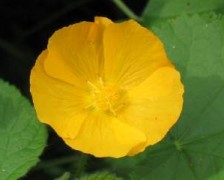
[{"x": 22, "y": 137}]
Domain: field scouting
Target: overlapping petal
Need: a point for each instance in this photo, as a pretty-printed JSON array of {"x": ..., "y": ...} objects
[
  {"x": 76, "y": 52},
  {"x": 132, "y": 53},
  {"x": 155, "y": 105},
  {"x": 57, "y": 103},
  {"x": 106, "y": 136}
]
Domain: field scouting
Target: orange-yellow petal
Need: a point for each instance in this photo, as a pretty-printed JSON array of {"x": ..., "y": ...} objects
[
  {"x": 132, "y": 53},
  {"x": 57, "y": 103},
  {"x": 103, "y": 21},
  {"x": 76, "y": 52},
  {"x": 108, "y": 89},
  {"x": 155, "y": 105},
  {"x": 106, "y": 136}
]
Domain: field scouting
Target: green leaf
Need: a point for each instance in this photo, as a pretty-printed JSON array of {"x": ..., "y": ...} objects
[
  {"x": 158, "y": 10},
  {"x": 193, "y": 149},
  {"x": 22, "y": 137},
  {"x": 218, "y": 176},
  {"x": 100, "y": 176},
  {"x": 64, "y": 176}
]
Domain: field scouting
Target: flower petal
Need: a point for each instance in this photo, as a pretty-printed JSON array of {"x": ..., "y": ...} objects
[
  {"x": 103, "y": 21},
  {"x": 57, "y": 103},
  {"x": 76, "y": 53},
  {"x": 108, "y": 89},
  {"x": 155, "y": 104},
  {"x": 131, "y": 53},
  {"x": 106, "y": 136}
]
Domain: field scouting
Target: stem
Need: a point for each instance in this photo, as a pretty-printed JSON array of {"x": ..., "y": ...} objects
[
  {"x": 81, "y": 165},
  {"x": 126, "y": 10},
  {"x": 13, "y": 50}
]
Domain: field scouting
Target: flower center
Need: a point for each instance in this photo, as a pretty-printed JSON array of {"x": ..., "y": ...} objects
[{"x": 105, "y": 98}]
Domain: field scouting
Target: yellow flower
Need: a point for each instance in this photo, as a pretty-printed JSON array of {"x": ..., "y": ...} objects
[{"x": 107, "y": 89}]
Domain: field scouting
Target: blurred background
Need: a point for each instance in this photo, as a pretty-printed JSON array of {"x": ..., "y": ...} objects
[{"x": 25, "y": 28}]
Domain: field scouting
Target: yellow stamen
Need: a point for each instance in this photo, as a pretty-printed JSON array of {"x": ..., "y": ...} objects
[{"x": 105, "y": 98}]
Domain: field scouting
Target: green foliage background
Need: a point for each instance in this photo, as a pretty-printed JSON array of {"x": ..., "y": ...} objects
[
  {"x": 22, "y": 137},
  {"x": 193, "y": 35}
]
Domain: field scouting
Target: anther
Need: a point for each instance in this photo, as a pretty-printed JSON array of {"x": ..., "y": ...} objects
[{"x": 93, "y": 86}]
